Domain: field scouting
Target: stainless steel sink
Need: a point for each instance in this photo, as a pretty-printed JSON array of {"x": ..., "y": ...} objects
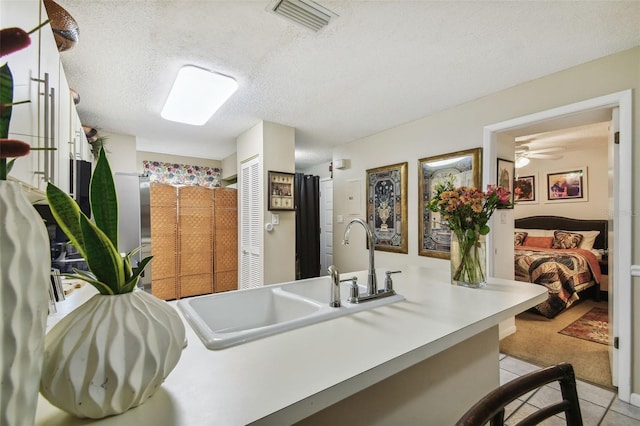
[{"x": 226, "y": 319}]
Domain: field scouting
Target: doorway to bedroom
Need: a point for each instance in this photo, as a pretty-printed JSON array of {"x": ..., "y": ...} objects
[
  {"x": 500, "y": 141},
  {"x": 562, "y": 329}
]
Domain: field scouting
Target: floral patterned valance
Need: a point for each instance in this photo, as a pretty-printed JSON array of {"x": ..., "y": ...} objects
[{"x": 182, "y": 174}]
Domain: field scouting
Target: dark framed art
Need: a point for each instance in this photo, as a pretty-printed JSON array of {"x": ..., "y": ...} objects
[
  {"x": 466, "y": 168},
  {"x": 567, "y": 185},
  {"x": 280, "y": 188},
  {"x": 505, "y": 178},
  {"x": 525, "y": 190},
  {"x": 387, "y": 206}
]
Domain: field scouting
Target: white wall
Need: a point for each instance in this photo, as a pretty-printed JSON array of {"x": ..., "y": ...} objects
[
  {"x": 321, "y": 169},
  {"x": 121, "y": 151},
  {"x": 594, "y": 157}
]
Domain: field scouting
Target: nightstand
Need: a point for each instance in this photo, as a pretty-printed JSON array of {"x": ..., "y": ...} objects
[{"x": 604, "y": 269}]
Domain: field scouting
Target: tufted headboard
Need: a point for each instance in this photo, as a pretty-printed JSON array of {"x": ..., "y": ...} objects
[{"x": 568, "y": 224}]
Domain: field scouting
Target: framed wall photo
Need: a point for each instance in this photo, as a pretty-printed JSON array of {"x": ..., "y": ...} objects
[
  {"x": 505, "y": 178},
  {"x": 280, "y": 188},
  {"x": 567, "y": 185},
  {"x": 466, "y": 168},
  {"x": 525, "y": 190},
  {"x": 387, "y": 206}
]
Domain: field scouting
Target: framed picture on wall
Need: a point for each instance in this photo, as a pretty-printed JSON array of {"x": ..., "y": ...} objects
[
  {"x": 505, "y": 178},
  {"x": 466, "y": 168},
  {"x": 387, "y": 206},
  {"x": 525, "y": 190},
  {"x": 567, "y": 185},
  {"x": 280, "y": 188}
]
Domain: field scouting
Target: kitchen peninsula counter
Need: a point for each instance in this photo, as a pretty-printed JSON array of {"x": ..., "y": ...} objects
[{"x": 427, "y": 359}]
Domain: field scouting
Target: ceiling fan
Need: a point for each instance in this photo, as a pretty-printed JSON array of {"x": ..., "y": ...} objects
[{"x": 523, "y": 154}]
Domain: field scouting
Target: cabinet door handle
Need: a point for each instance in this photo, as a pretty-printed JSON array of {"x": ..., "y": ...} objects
[
  {"x": 51, "y": 154},
  {"x": 46, "y": 126}
]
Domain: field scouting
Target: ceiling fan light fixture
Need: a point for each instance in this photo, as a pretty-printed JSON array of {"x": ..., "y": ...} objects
[
  {"x": 196, "y": 95},
  {"x": 521, "y": 161}
]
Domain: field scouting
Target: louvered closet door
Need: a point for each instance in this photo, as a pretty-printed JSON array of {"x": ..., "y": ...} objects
[{"x": 250, "y": 225}]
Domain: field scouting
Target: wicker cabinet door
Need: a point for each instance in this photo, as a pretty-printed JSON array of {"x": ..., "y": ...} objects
[
  {"x": 164, "y": 240},
  {"x": 226, "y": 239},
  {"x": 195, "y": 241}
]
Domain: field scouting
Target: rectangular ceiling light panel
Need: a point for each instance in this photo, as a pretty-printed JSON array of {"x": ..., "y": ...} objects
[{"x": 196, "y": 95}]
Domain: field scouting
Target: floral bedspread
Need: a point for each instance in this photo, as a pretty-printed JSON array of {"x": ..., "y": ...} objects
[{"x": 561, "y": 271}]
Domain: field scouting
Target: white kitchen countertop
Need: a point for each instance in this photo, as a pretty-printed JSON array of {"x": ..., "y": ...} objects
[{"x": 299, "y": 372}]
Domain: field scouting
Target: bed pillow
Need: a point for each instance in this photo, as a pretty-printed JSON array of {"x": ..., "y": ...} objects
[
  {"x": 588, "y": 239},
  {"x": 535, "y": 232},
  {"x": 518, "y": 238},
  {"x": 566, "y": 240},
  {"x": 538, "y": 242}
]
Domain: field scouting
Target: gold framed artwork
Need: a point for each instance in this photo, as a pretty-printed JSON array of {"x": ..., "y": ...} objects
[
  {"x": 466, "y": 168},
  {"x": 280, "y": 189},
  {"x": 387, "y": 206}
]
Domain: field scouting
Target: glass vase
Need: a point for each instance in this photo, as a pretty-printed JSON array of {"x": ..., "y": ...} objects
[{"x": 468, "y": 259}]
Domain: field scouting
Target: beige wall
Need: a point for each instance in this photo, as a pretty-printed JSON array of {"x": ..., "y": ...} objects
[
  {"x": 280, "y": 244},
  {"x": 230, "y": 166},
  {"x": 462, "y": 128},
  {"x": 123, "y": 157},
  {"x": 274, "y": 144},
  {"x": 597, "y": 206}
]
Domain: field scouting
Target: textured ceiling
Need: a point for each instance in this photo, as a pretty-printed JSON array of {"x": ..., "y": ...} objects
[{"x": 376, "y": 66}]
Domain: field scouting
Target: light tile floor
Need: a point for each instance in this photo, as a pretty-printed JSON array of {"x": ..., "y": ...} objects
[{"x": 599, "y": 406}]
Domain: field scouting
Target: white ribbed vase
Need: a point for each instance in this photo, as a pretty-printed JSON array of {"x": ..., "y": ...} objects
[
  {"x": 25, "y": 268},
  {"x": 111, "y": 354}
]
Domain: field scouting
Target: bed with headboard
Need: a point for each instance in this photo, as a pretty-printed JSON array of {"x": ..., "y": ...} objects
[{"x": 562, "y": 254}]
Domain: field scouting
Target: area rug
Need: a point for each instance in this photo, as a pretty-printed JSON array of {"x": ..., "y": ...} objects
[
  {"x": 592, "y": 326},
  {"x": 539, "y": 342}
]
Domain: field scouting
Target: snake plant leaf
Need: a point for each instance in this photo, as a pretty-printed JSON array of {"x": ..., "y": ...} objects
[
  {"x": 10, "y": 164},
  {"x": 128, "y": 270},
  {"x": 67, "y": 213},
  {"x": 6, "y": 99},
  {"x": 102, "y": 257},
  {"x": 91, "y": 279},
  {"x": 133, "y": 282},
  {"x": 103, "y": 193},
  {"x": 127, "y": 262}
]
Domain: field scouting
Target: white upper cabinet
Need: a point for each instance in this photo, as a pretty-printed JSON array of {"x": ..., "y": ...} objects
[
  {"x": 24, "y": 65},
  {"x": 63, "y": 136},
  {"x": 49, "y": 119},
  {"x": 49, "y": 106}
]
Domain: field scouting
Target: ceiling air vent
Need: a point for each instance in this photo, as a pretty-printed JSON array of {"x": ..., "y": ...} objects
[{"x": 304, "y": 12}]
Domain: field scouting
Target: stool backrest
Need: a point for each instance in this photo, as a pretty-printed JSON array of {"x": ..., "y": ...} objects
[{"x": 491, "y": 407}]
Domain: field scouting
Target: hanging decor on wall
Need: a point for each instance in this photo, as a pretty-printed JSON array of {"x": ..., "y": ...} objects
[
  {"x": 387, "y": 206},
  {"x": 466, "y": 168},
  {"x": 181, "y": 174}
]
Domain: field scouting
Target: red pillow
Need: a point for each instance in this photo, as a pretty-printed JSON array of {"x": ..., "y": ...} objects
[{"x": 540, "y": 242}]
